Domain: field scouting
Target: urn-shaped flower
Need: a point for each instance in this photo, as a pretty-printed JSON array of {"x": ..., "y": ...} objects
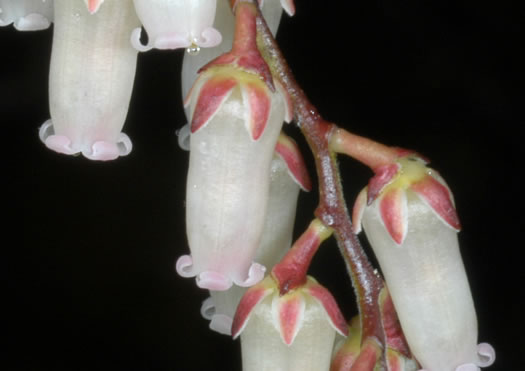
[
  {"x": 90, "y": 79},
  {"x": 412, "y": 226}
]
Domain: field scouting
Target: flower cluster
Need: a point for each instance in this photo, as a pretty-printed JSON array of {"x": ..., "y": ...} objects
[{"x": 243, "y": 182}]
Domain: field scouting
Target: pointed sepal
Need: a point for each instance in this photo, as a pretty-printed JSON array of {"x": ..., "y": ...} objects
[
  {"x": 384, "y": 175},
  {"x": 393, "y": 211},
  {"x": 437, "y": 195},
  {"x": 327, "y": 301},
  {"x": 359, "y": 209},
  {"x": 249, "y": 301},
  {"x": 258, "y": 104},
  {"x": 288, "y": 314},
  {"x": 212, "y": 95},
  {"x": 289, "y": 151},
  {"x": 93, "y": 5}
]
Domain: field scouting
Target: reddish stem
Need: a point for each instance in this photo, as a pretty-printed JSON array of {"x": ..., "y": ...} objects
[
  {"x": 332, "y": 209},
  {"x": 291, "y": 271},
  {"x": 364, "y": 150}
]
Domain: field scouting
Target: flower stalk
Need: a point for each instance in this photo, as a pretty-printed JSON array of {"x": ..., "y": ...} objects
[{"x": 332, "y": 209}]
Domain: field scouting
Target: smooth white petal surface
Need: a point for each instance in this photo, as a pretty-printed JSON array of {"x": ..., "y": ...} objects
[
  {"x": 91, "y": 79},
  {"x": 26, "y": 15},
  {"x": 276, "y": 240},
  {"x": 264, "y": 350},
  {"x": 429, "y": 287},
  {"x": 227, "y": 195},
  {"x": 173, "y": 24}
]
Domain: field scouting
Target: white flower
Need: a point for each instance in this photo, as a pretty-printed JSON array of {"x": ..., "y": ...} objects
[
  {"x": 412, "y": 226},
  {"x": 173, "y": 24},
  {"x": 26, "y": 15},
  {"x": 288, "y": 174},
  {"x": 91, "y": 79}
]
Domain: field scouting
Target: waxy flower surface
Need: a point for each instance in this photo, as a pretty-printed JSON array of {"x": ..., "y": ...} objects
[
  {"x": 26, "y": 15},
  {"x": 90, "y": 79},
  {"x": 173, "y": 24},
  {"x": 235, "y": 126},
  {"x": 287, "y": 176},
  {"x": 412, "y": 226},
  {"x": 236, "y": 118},
  {"x": 291, "y": 332}
]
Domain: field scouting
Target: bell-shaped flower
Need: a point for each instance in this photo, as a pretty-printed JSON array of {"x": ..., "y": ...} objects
[
  {"x": 173, "y": 24},
  {"x": 91, "y": 79},
  {"x": 26, "y": 15},
  {"x": 235, "y": 125},
  {"x": 288, "y": 175},
  {"x": 412, "y": 226},
  {"x": 290, "y": 332},
  {"x": 236, "y": 121}
]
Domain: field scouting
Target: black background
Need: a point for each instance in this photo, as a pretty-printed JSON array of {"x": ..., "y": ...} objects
[{"x": 89, "y": 248}]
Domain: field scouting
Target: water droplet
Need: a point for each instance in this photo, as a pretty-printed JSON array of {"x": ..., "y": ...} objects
[{"x": 193, "y": 49}]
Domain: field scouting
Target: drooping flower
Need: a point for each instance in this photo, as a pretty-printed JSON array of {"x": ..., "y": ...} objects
[
  {"x": 91, "y": 79},
  {"x": 173, "y": 24},
  {"x": 26, "y": 15},
  {"x": 288, "y": 174},
  {"x": 228, "y": 179},
  {"x": 291, "y": 332},
  {"x": 236, "y": 120},
  {"x": 412, "y": 225}
]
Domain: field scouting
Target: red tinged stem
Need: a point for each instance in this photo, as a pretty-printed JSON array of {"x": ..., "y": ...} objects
[
  {"x": 364, "y": 150},
  {"x": 291, "y": 271},
  {"x": 332, "y": 209}
]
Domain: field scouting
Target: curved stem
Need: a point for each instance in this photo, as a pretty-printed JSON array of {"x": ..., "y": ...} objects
[
  {"x": 291, "y": 271},
  {"x": 332, "y": 209},
  {"x": 364, "y": 150}
]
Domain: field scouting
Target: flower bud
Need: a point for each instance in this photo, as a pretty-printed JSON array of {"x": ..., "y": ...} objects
[
  {"x": 412, "y": 226},
  {"x": 91, "y": 79}
]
